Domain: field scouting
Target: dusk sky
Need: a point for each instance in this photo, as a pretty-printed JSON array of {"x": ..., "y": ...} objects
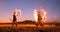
[{"x": 27, "y": 7}]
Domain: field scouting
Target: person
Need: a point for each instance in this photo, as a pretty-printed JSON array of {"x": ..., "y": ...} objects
[
  {"x": 39, "y": 19},
  {"x": 14, "y": 19}
]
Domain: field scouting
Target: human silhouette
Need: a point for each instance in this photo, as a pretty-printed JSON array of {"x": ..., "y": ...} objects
[
  {"x": 14, "y": 19},
  {"x": 39, "y": 19}
]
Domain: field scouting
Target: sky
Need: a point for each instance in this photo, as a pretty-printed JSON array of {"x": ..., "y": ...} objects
[{"x": 27, "y": 7}]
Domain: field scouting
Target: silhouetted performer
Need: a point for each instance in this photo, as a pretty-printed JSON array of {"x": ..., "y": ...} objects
[
  {"x": 39, "y": 19},
  {"x": 14, "y": 19}
]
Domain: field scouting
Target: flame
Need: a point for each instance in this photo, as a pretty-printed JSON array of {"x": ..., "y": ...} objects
[
  {"x": 44, "y": 17},
  {"x": 17, "y": 12},
  {"x": 35, "y": 15}
]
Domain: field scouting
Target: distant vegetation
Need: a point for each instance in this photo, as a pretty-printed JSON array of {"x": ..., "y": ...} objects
[{"x": 27, "y": 22}]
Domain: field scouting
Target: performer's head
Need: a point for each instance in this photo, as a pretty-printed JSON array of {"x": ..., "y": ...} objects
[
  {"x": 39, "y": 13},
  {"x": 39, "y": 16},
  {"x": 14, "y": 13}
]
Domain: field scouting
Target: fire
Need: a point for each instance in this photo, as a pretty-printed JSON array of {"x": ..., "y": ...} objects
[
  {"x": 44, "y": 13},
  {"x": 35, "y": 15},
  {"x": 17, "y": 12}
]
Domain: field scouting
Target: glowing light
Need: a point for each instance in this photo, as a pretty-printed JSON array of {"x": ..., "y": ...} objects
[
  {"x": 17, "y": 12},
  {"x": 35, "y": 15},
  {"x": 44, "y": 17}
]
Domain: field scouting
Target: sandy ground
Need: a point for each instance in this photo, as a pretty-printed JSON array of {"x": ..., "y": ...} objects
[{"x": 28, "y": 28}]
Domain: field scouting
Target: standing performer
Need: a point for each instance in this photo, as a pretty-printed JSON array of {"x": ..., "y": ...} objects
[
  {"x": 39, "y": 19},
  {"x": 14, "y": 19}
]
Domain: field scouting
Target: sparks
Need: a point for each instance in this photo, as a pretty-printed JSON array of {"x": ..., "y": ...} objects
[
  {"x": 44, "y": 13},
  {"x": 17, "y": 12},
  {"x": 35, "y": 15}
]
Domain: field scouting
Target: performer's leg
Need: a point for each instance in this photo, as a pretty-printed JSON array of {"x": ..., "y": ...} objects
[
  {"x": 15, "y": 23},
  {"x": 36, "y": 23},
  {"x": 41, "y": 24}
]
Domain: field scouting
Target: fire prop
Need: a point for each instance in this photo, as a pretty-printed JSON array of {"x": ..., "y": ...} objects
[
  {"x": 17, "y": 12},
  {"x": 44, "y": 13},
  {"x": 35, "y": 15}
]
